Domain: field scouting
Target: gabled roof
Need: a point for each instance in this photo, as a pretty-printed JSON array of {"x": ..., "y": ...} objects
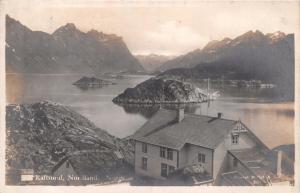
[
  {"x": 91, "y": 162},
  {"x": 163, "y": 130},
  {"x": 234, "y": 178},
  {"x": 261, "y": 161}
]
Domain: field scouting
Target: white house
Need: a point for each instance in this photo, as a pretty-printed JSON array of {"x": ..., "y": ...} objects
[{"x": 218, "y": 150}]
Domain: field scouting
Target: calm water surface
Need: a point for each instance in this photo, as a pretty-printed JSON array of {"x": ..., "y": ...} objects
[{"x": 271, "y": 122}]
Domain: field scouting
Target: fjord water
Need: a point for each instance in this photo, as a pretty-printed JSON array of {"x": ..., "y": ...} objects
[{"x": 272, "y": 122}]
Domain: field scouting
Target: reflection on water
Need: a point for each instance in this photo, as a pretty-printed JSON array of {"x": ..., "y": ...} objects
[
  {"x": 86, "y": 87},
  {"x": 276, "y": 93},
  {"x": 145, "y": 110},
  {"x": 271, "y": 122}
]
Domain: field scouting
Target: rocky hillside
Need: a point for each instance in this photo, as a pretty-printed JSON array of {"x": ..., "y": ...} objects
[
  {"x": 162, "y": 90},
  {"x": 153, "y": 61},
  {"x": 275, "y": 49},
  {"x": 67, "y": 50},
  {"x": 269, "y": 58},
  {"x": 40, "y": 135}
]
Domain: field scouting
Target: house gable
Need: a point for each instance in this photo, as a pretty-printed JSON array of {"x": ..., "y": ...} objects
[
  {"x": 66, "y": 169},
  {"x": 246, "y": 140},
  {"x": 240, "y": 137}
]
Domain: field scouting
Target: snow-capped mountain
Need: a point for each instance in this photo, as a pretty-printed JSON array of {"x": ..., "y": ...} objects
[
  {"x": 252, "y": 44},
  {"x": 67, "y": 50}
]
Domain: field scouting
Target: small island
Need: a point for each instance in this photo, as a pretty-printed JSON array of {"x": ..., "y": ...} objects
[
  {"x": 162, "y": 90},
  {"x": 92, "y": 82}
]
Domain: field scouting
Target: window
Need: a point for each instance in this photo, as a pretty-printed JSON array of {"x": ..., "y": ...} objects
[
  {"x": 67, "y": 164},
  {"x": 166, "y": 153},
  {"x": 164, "y": 170},
  {"x": 201, "y": 157},
  {"x": 162, "y": 152},
  {"x": 235, "y": 139},
  {"x": 144, "y": 147},
  {"x": 169, "y": 154},
  {"x": 235, "y": 162},
  {"x": 171, "y": 169},
  {"x": 144, "y": 163}
]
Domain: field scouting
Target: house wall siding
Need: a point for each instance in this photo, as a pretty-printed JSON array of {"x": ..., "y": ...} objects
[
  {"x": 154, "y": 160},
  {"x": 219, "y": 157},
  {"x": 191, "y": 156},
  {"x": 183, "y": 157}
]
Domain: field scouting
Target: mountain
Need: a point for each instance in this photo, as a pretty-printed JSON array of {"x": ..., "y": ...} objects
[
  {"x": 67, "y": 50},
  {"x": 252, "y": 46},
  {"x": 153, "y": 61},
  {"x": 40, "y": 135},
  {"x": 253, "y": 55}
]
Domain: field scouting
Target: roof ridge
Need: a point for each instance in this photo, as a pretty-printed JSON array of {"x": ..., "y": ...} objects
[
  {"x": 193, "y": 114},
  {"x": 164, "y": 124},
  {"x": 196, "y": 115}
]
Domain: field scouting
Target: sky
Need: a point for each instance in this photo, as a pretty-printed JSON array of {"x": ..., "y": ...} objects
[{"x": 169, "y": 27}]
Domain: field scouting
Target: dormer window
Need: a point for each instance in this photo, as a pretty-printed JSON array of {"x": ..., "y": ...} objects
[{"x": 235, "y": 139}]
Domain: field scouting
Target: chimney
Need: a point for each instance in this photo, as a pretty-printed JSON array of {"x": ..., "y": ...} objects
[
  {"x": 279, "y": 160},
  {"x": 220, "y": 115},
  {"x": 180, "y": 114}
]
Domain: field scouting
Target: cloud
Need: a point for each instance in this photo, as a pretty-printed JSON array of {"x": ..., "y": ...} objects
[{"x": 175, "y": 35}]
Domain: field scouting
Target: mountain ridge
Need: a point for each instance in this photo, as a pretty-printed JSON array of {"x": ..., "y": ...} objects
[
  {"x": 66, "y": 50},
  {"x": 152, "y": 61},
  {"x": 219, "y": 49}
]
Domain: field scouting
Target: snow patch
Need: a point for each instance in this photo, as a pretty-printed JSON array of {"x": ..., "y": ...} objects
[
  {"x": 236, "y": 43},
  {"x": 276, "y": 36},
  {"x": 211, "y": 51}
]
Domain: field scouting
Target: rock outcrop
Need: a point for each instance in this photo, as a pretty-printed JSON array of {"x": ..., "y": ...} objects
[
  {"x": 40, "y": 135},
  {"x": 162, "y": 90},
  {"x": 92, "y": 81}
]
